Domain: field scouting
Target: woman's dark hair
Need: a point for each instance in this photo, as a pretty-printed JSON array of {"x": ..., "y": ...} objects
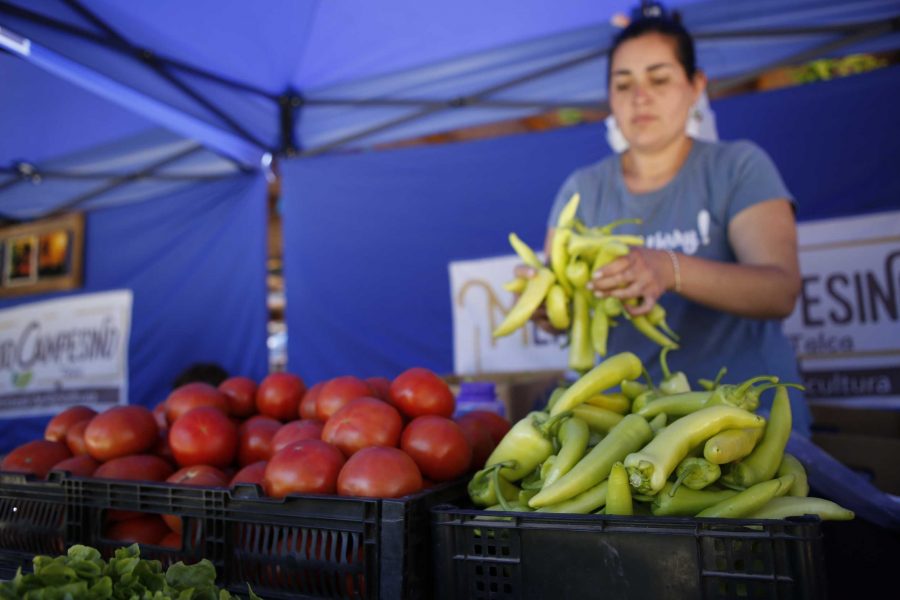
[{"x": 668, "y": 26}]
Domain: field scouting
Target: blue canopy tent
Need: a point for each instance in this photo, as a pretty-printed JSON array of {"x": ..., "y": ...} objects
[{"x": 151, "y": 108}]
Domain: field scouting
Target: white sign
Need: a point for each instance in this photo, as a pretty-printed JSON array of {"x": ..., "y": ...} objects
[
  {"x": 479, "y": 304},
  {"x": 60, "y": 353},
  {"x": 846, "y": 326}
]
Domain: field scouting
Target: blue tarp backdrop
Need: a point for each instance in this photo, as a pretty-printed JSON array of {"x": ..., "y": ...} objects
[
  {"x": 368, "y": 237},
  {"x": 195, "y": 262}
]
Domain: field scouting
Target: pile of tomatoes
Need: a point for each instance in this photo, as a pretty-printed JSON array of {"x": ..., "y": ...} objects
[{"x": 350, "y": 436}]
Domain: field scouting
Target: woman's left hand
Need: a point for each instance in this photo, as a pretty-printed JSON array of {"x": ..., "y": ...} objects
[{"x": 643, "y": 275}]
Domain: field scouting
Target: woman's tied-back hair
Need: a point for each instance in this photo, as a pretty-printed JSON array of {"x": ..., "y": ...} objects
[{"x": 651, "y": 17}]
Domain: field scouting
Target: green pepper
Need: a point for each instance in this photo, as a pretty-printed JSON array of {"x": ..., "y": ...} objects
[
  {"x": 657, "y": 318},
  {"x": 657, "y": 423},
  {"x": 587, "y": 501},
  {"x": 609, "y": 227},
  {"x": 629, "y": 435},
  {"x": 645, "y": 398},
  {"x": 608, "y": 252},
  {"x": 482, "y": 490},
  {"x": 617, "y": 402},
  {"x": 581, "y": 354},
  {"x": 710, "y": 385},
  {"x": 577, "y": 272},
  {"x": 695, "y": 473},
  {"x": 633, "y": 389},
  {"x": 557, "y": 304},
  {"x": 597, "y": 419},
  {"x": 611, "y": 372},
  {"x": 555, "y": 395},
  {"x": 567, "y": 214},
  {"x": 559, "y": 257},
  {"x": 743, "y": 396},
  {"x": 618, "y": 496},
  {"x": 794, "y": 506},
  {"x": 791, "y": 465},
  {"x": 599, "y": 330},
  {"x": 611, "y": 306},
  {"x": 642, "y": 324},
  {"x": 573, "y": 434},
  {"x": 525, "y": 252},
  {"x": 525, "y": 446},
  {"x": 649, "y": 468},
  {"x": 763, "y": 462},
  {"x": 685, "y": 502},
  {"x": 672, "y": 383},
  {"x": 535, "y": 291},
  {"x": 731, "y": 445},
  {"x": 750, "y": 500}
]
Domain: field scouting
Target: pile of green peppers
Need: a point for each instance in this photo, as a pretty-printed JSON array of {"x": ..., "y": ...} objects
[{"x": 611, "y": 444}]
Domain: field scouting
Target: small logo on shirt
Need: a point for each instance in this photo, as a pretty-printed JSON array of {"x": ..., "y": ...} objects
[{"x": 687, "y": 241}]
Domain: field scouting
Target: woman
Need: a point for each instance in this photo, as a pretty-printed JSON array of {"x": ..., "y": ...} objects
[{"x": 721, "y": 245}]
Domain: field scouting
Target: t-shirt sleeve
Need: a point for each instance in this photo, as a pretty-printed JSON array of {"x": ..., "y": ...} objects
[
  {"x": 755, "y": 179},
  {"x": 569, "y": 187}
]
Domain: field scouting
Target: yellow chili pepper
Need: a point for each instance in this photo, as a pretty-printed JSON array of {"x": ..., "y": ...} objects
[
  {"x": 581, "y": 354},
  {"x": 618, "y": 495},
  {"x": 535, "y": 292},
  {"x": 525, "y": 252},
  {"x": 609, "y": 373},
  {"x": 558, "y": 307}
]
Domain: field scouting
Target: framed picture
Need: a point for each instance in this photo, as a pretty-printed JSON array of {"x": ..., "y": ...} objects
[{"x": 42, "y": 256}]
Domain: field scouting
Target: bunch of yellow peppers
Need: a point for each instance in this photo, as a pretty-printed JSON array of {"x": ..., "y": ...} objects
[{"x": 576, "y": 252}]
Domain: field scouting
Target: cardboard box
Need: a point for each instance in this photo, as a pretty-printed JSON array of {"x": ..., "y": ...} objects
[
  {"x": 872, "y": 456},
  {"x": 841, "y": 419},
  {"x": 520, "y": 392}
]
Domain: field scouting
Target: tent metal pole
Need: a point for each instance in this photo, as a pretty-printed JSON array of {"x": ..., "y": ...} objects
[
  {"x": 871, "y": 30},
  {"x": 150, "y": 59},
  {"x": 25, "y": 14},
  {"x": 458, "y": 102},
  {"x": 855, "y": 34},
  {"x": 120, "y": 180}
]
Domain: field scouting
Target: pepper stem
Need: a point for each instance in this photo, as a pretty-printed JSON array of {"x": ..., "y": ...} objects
[
  {"x": 742, "y": 388},
  {"x": 664, "y": 362},
  {"x": 685, "y": 473}
]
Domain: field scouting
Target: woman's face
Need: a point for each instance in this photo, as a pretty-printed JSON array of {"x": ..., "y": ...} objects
[{"x": 649, "y": 93}]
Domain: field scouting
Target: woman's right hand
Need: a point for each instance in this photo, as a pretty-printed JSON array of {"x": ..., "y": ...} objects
[{"x": 539, "y": 316}]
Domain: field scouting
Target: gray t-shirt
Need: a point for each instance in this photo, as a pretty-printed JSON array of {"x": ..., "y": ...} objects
[{"x": 690, "y": 215}]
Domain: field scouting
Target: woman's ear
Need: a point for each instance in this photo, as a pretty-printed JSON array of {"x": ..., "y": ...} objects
[{"x": 699, "y": 84}]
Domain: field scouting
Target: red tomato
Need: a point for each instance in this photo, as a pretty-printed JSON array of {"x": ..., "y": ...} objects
[
  {"x": 171, "y": 540},
  {"x": 438, "y": 446},
  {"x": 120, "y": 431},
  {"x": 363, "y": 422},
  {"x": 255, "y": 437},
  {"x": 250, "y": 474},
  {"x": 203, "y": 436},
  {"x": 162, "y": 448},
  {"x": 381, "y": 387},
  {"x": 37, "y": 457},
  {"x": 297, "y": 431},
  {"x": 308, "y": 403},
  {"x": 241, "y": 393},
  {"x": 194, "y": 395},
  {"x": 479, "y": 437},
  {"x": 145, "y": 529},
  {"x": 75, "y": 438},
  {"x": 338, "y": 392},
  {"x": 379, "y": 472},
  {"x": 279, "y": 396},
  {"x": 197, "y": 475},
  {"x": 307, "y": 467},
  {"x": 419, "y": 391},
  {"x": 80, "y": 466},
  {"x": 497, "y": 425},
  {"x": 159, "y": 413},
  {"x": 60, "y": 424},
  {"x": 137, "y": 467}
]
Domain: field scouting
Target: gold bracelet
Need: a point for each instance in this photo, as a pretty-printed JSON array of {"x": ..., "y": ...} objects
[{"x": 676, "y": 267}]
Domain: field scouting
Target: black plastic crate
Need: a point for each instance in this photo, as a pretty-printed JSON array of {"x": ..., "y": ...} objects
[
  {"x": 296, "y": 547},
  {"x": 482, "y": 555}
]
